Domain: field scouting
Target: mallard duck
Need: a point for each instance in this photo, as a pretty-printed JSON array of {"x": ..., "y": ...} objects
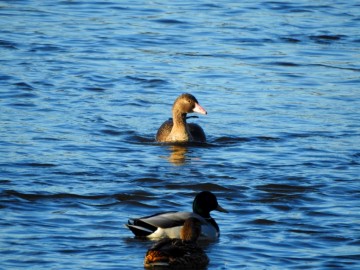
[
  {"x": 168, "y": 224},
  {"x": 183, "y": 253},
  {"x": 177, "y": 129}
]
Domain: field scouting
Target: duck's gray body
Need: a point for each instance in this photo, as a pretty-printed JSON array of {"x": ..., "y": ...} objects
[{"x": 168, "y": 224}]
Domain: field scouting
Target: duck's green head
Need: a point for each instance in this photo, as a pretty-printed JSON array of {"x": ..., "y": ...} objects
[{"x": 205, "y": 202}]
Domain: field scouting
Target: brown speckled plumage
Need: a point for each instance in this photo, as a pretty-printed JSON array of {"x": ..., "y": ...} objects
[
  {"x": 177, "y": 129},
  {"x": 179, "y": 253}
]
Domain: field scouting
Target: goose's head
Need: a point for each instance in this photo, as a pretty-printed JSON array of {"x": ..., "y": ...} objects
[{"x": 187, "y": 103}]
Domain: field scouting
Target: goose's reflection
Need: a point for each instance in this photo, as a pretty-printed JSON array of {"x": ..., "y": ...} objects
[{"x": 178, "y": 154}]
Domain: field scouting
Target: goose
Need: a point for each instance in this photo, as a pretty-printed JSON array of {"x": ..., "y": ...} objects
[
  {"x": 183, "y": 253},
  {"x": 168, "y": 224},
  {"x": 177, "y": 129}
]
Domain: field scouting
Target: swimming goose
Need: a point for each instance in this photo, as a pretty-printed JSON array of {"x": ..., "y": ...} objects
[
  {"x": 183, "y": 253},
  {"x": 168, "y": 224},
  {"x": 177, "y": 129}
]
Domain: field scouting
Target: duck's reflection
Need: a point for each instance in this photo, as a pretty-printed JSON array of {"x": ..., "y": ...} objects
[{"x": 178, "y": 154}]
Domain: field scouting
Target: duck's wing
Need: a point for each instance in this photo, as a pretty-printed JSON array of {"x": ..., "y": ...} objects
[
  {"x": 168, "y": 219},
  {"x": 146, "y": 226},
  {"x": 176, "y": 254}
]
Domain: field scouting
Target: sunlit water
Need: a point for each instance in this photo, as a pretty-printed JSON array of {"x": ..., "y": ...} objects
[{"x": 86, "y": 84}]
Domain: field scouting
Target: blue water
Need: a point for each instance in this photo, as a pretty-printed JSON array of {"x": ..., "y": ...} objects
[{"x": 84, "y": 85}]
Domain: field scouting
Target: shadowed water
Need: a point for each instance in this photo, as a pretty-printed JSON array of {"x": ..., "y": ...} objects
[{"x": 86, "y": 84}]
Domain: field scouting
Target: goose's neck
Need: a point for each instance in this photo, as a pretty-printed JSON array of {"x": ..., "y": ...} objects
[
  {"x": 180, "y": 130},
  {"x": 179, "y": 120}
]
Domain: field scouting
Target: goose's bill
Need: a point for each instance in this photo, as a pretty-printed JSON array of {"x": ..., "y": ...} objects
[
  {"x": 219, "y": 208},
  {"x": 199, "y": 109}
]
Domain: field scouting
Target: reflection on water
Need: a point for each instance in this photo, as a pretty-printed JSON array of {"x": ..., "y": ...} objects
[
  {"x": 85, "y": 84},
  {"x": 178, "y": 154}
]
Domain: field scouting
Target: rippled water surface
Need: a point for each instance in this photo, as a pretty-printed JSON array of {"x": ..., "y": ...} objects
[{"x": 85, "y": 85}]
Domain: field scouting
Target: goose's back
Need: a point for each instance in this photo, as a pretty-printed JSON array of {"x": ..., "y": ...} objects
[{"x": 197, "y": 132}]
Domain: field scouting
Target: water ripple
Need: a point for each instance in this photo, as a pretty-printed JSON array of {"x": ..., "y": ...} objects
[{"x": 86, "y": 84}]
